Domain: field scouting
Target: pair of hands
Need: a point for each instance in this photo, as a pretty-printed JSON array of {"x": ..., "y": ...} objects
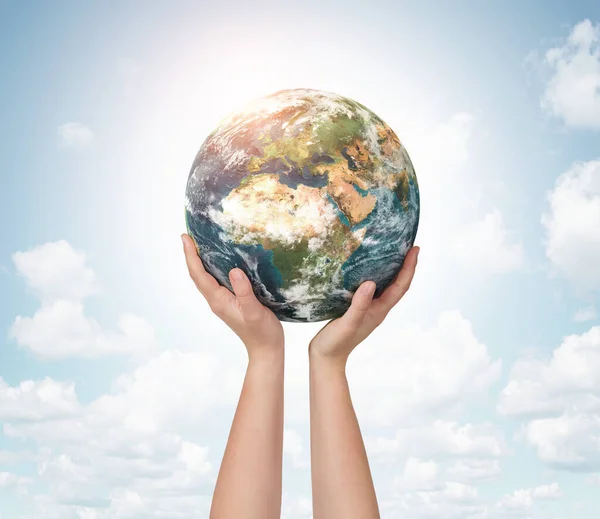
[{"x": 262, "y": 332}]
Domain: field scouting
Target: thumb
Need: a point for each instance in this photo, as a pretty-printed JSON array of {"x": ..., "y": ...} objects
[
  {"x": 361, "y": 300},
  {"x": 250, "y": 305}
]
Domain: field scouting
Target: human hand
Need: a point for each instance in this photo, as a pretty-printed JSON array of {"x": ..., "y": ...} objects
[
  {"x": 256, "y": 325},
  {"x": 336, "y": 340}
]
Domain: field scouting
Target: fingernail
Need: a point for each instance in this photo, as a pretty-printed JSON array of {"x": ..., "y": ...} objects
[
  {"x": 368, "y": 288},
  {"x": 237, "y": 275},
  {"x": 183, "y": 239}
]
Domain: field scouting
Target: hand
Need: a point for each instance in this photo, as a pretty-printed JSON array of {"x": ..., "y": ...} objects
[
  {"x": 253, "y": 323},
  {"x": 339, "y": 337}
]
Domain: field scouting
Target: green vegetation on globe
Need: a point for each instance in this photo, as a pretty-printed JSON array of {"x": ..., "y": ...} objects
[{"x": 310, "y": 194}]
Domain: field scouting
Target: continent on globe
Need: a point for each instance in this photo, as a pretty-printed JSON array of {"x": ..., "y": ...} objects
[{"x": 311, "y": 194}]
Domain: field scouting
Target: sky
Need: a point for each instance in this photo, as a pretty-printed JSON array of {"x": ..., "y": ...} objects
[{"x": 478, "y": 397}]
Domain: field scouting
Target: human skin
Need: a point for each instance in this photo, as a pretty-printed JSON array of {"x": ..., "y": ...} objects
[
  {"x": 342, "y": 485},
  {"x": 249, "y": 481}
]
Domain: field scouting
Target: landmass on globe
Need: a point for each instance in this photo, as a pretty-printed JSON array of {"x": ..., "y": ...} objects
[{"x": 310, "y": 193}]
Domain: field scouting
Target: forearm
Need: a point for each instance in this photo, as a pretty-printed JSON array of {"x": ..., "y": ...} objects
[
  {"x": 342, "y": 485},
  {"x": 249, "y": 481}
]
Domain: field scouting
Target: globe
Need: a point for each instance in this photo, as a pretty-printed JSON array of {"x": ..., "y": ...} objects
[{"x": 310, "y": 194}]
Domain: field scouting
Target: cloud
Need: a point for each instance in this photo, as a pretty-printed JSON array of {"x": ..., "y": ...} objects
[
  {"x": 293, "y": 448},
  {"x": 440, "y": 439},
  {"x": 9, "y": 480},
  {"x": 59, "y": 276},
  {"x": 523, "y": 499},
  {"x": 585, "y": 314},
  {"x": 442, "y": 368},
  {"x": 37, "y": 400},
  {"x": 474, "y": 470},
  {"x": 487, "y": 246},
  {"x": 74, "y": 135},
  {"x": 451, "y": 500},
  {"x": 56, "y": 271},
  {"x": 572, "y": 91},
  {"x": 418, "y": 475},
  {"x": 572, "y": 223},
  {"x": 568, "y": 380},
  {"x": 561, "y": 398},
  {"x": 569, "y": 442},
  {"x": 133, "y": 452}
]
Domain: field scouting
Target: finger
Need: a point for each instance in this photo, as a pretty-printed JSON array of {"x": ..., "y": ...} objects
[
  {"x": 206, "y": 283},
  {"x": 251, "y": 307},
  {"x": 361, "y": 300},
  {"x": 393, "y": 293}
]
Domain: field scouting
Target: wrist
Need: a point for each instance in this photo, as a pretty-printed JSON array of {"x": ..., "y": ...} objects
[
  {"x": 270, "y": 356},
  {"x": 322, "y": 361}
]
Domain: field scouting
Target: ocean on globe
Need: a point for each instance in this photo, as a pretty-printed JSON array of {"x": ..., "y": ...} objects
[{"x": 310, "y": 194}]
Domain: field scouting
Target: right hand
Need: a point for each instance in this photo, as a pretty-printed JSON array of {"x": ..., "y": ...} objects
[{"x": 336, "y": 340}]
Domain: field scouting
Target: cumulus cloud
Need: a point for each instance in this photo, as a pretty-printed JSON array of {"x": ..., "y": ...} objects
[
  {"x": 569, "y": 442},
  {"x": 294, "y": 450},
  {"x": 568, "y": 380},
  {"x": 561, "y": 398},
  {"x": 585, "y": 314},
  {"x": 440, "y": 439},
  {"x": 56, "y": 271},
  {"x": 474, "y": 470},
  {"x": 131, "y": 452},
  {"x": 418, "y": 475},
  {"x": 572, "y": 223},
  {"x": 441, "y": 368},
  {"x": 523, "y": 499},
  {"x": 487, "y": 246},
  {"x": 58, "y": 274},
  {"x": 572, "y": 91},
  {"x": 37, "y": 400},
  {"x": 74, "y": 135},
  {"x": 451, "y": 500}
]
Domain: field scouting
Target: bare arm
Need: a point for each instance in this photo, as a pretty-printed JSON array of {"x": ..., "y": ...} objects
[
  {"x": 249, "y": 480},
  {"x": 342, "y": 484}
]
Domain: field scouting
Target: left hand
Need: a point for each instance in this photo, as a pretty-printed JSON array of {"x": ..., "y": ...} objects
[{"x": 255, "y": 324}]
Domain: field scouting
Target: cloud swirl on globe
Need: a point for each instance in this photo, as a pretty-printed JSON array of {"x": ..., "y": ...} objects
[{"x": 310, "y": 193}]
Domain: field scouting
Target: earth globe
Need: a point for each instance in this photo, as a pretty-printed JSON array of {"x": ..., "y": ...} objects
[{"x": 308, "y": 192}]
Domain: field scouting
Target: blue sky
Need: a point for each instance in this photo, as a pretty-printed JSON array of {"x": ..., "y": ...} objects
[{"x": 479, "y": 399}]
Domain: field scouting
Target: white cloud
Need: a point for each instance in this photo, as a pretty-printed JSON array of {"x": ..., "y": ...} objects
[
  {"x": 441, "y": 369},
  {"x": 56, "y": 271},
  {"x": 440, "y": 439},
  {"x": 570, "y": 442},
  {"x": 474, "y": 470},
  {"x": 572, "y": 91},
  {"x": 20, "y": 483},
  {"x": 131, "y": 453},
  {"x": 523, "y": 499},
  {"x": 37, "y": 400},
  {"x": 418, "y": 475},
  {"x": 59, "y": 328},
  {"x": 568, "y": 380},
  {"x": 293, "y": 448},
  {"x": 487, "y": 246},
  {"x": 450, "y": 139},
  {"x": 63, "y": 330},
  {"x": 585, "y": 314},
  {"x": 74, "y": 135},
  {"x": 572, "y": 237},
  {"x": 451, "y": 500}
]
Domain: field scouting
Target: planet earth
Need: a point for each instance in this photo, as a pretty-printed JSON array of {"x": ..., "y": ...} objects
[{"x": 310, "y": 194}]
